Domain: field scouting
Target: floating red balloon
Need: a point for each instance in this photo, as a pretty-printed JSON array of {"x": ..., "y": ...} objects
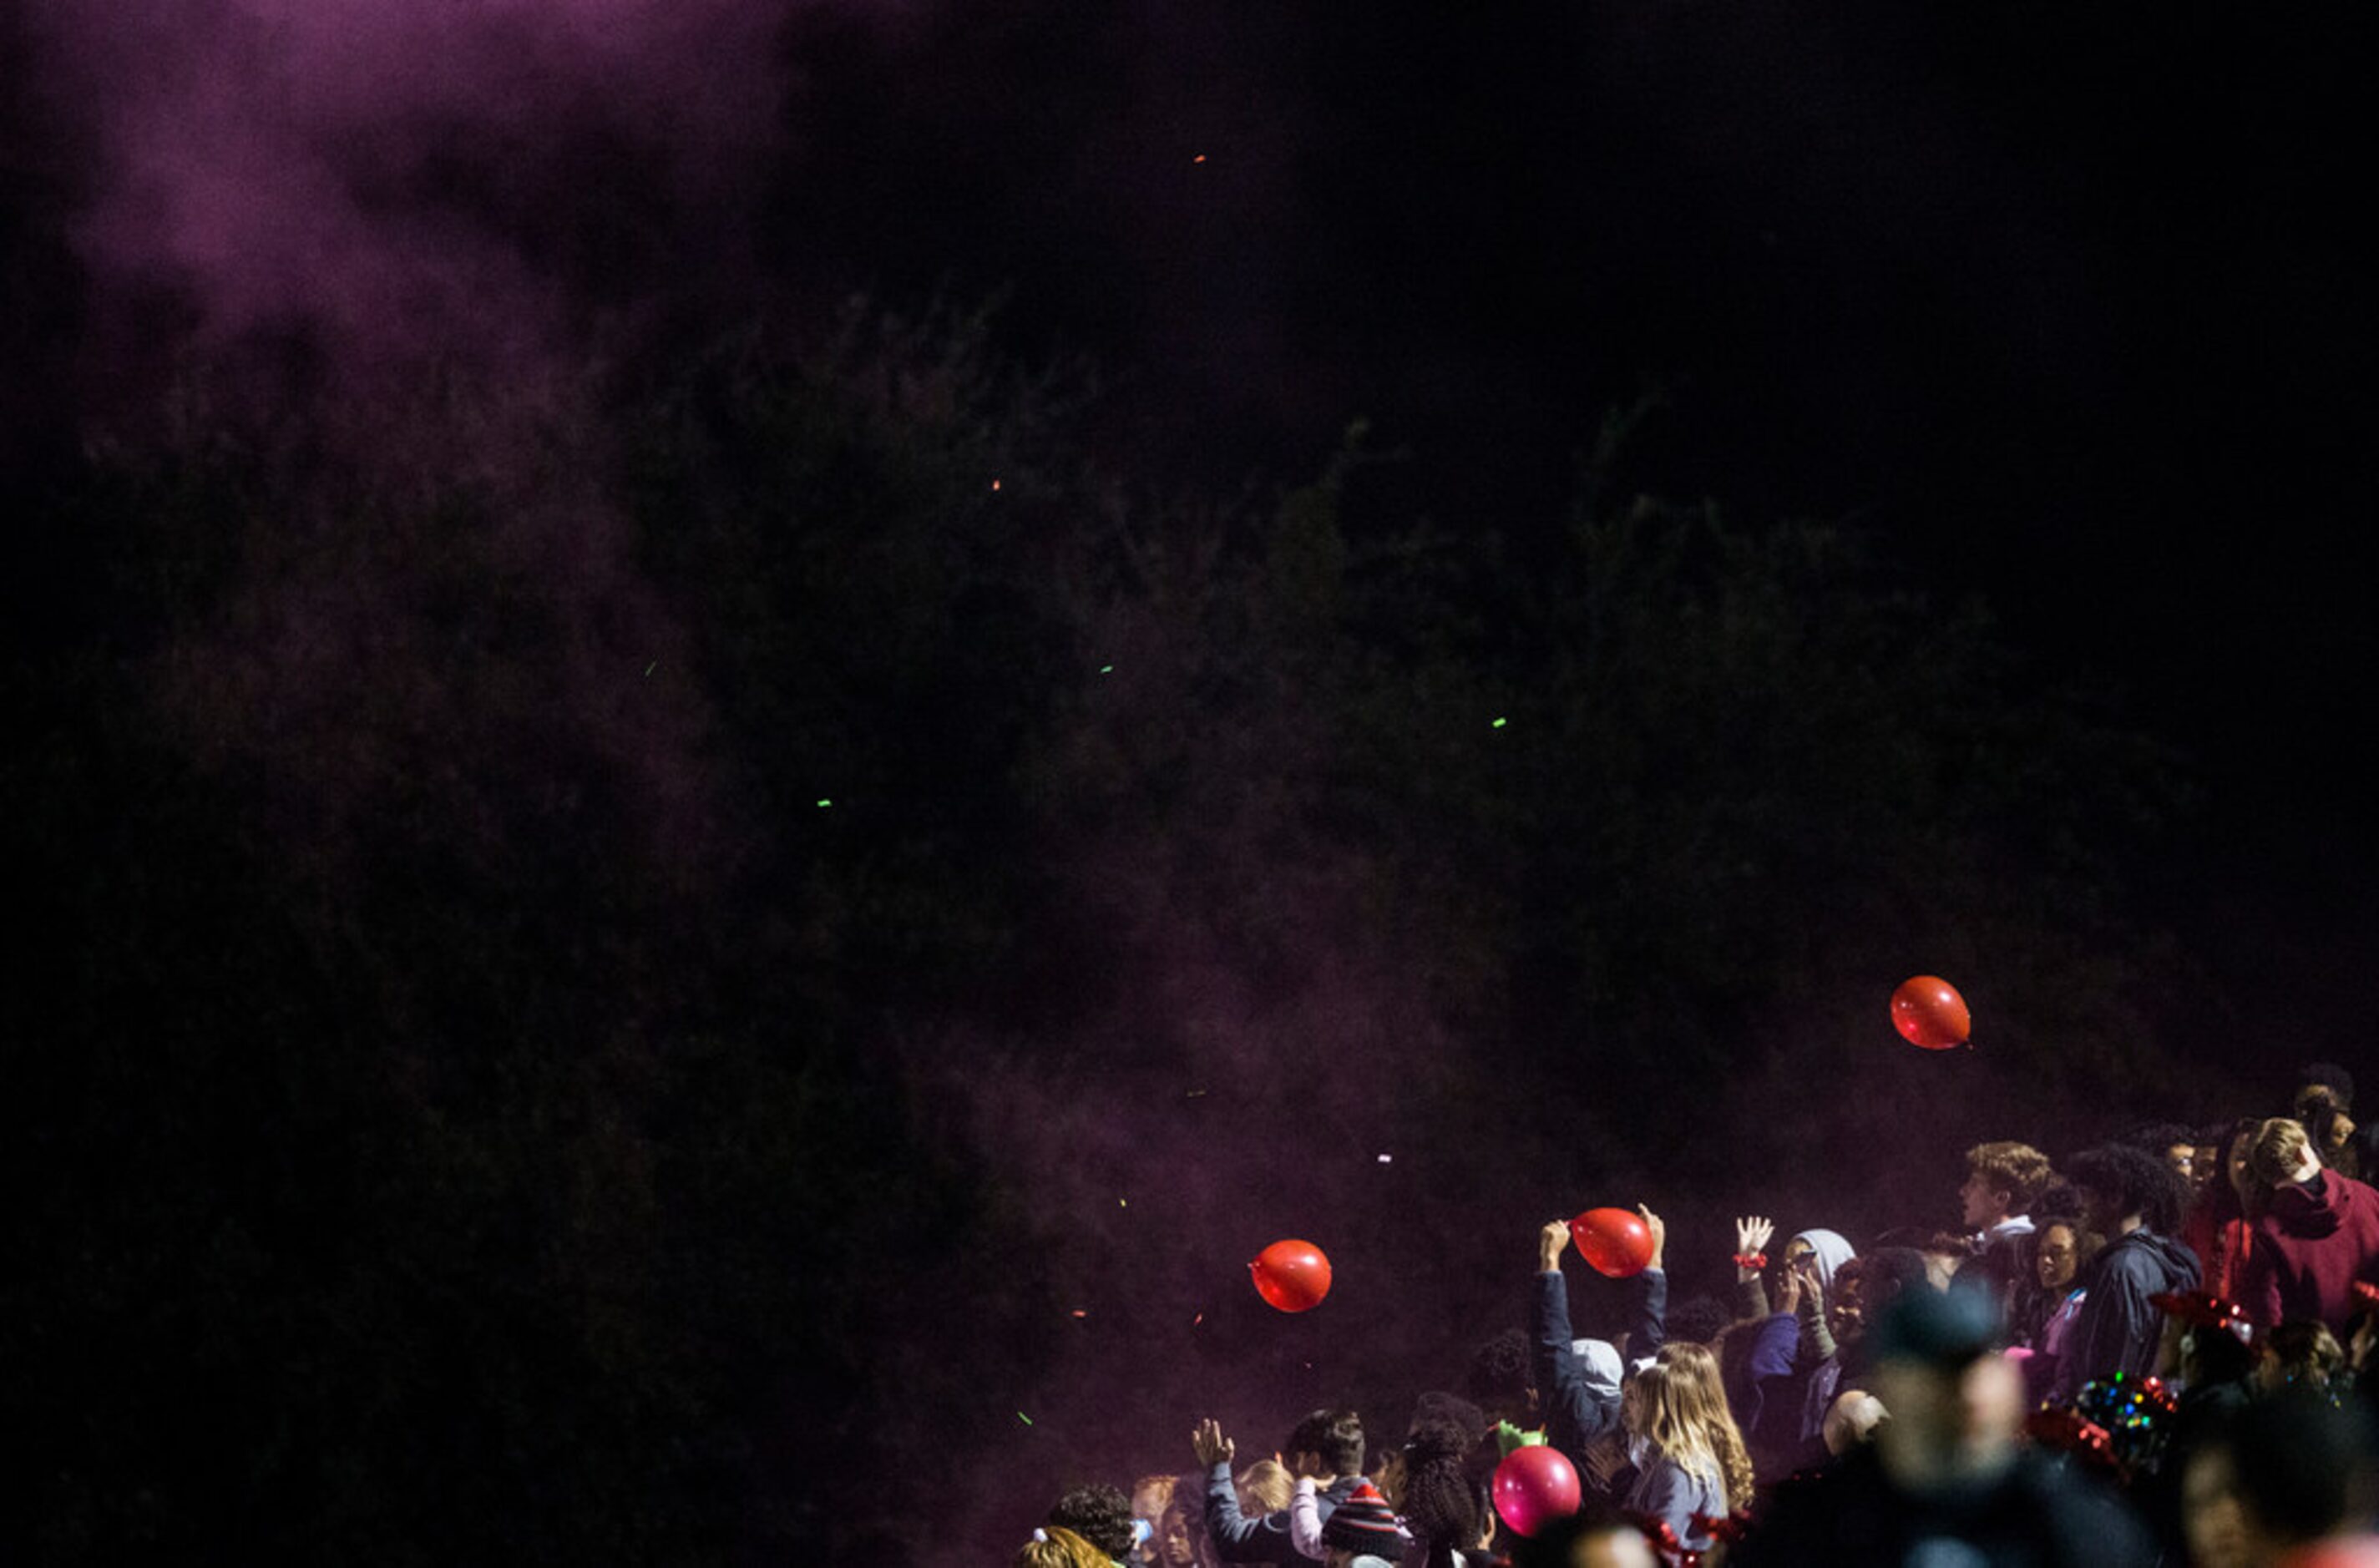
[
  {"x": 1292, "y": 1276},
  {"x": 1534, "y": 1485},
  {"x": 1616, "y": 1242},
  {"x": 1928, "y": 1011}
]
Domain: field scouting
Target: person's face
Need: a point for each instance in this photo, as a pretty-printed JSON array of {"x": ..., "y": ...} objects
[
  {"x": 1631, "y": 1406},
  {"x": 1173, "y": 1546},
  {"x": 1980, "y": 1204},
  {"x": 1842, "y": 1314},
  {"x": 2182, "y": 1158},
  {"x": 2213, "y": 1518},
  {"x": 2060, "y": 1256},
  {"x": 2235, "y": 1168},
  {"x": 2208, "y": 1161}
]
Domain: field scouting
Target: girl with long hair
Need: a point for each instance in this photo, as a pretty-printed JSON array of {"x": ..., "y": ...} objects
[{"x": 1691, "y": 1465}]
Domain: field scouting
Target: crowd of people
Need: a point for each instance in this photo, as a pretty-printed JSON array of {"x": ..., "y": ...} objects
[{"x": 2157, "y": 1350}]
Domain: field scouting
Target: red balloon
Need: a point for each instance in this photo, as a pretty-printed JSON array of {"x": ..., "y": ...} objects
[
  {"x": 1534, "y": 1485},
  {"x": 1929, "y": 1012},
  {"x": 1292, "y": 1276},
  {"x": 1615, "y": 1241}
]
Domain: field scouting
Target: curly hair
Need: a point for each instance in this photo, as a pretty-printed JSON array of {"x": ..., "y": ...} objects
[
  {"x": 1100, "y": 1513},
  {"x": 1335, "y": 1436},
  {"x": 2138, "y": 1183},
  {"x": 1059, "y": 1548},
  {"x": 1499, "y": 1368},
  {"x": 1441, "y": 1503}
]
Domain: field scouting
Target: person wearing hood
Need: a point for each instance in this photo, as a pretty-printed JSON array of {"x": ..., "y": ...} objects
[
  {"x": 2316, "y": 1233},
  {"x": 2136, "y": 1201}
]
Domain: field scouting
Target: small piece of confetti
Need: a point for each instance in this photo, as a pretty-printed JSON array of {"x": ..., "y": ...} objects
[
  {"x": 1200, "y": 159},
  {"x": 1386, "y": 1159},
  {"x": 1023, "y": 1417},
  {"x": 1193, "y": 1094},
  {"x": 1121, "y": 1204},
  {"x": 1106, "y": 669},
  {"x": 1501, "y": 723},
  {"x": 1196, "y": 1320},
  {"x": 650, "y": 668},
  {"x": 825, "y": 803},
  {"x": 1081, "y": 1313},
  {"x": 995, "y": 484}
]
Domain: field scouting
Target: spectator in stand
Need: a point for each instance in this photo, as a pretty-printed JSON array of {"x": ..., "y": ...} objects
[
  {"x": 2061, "y": 1250},
  {"x": 1056, "y": 1546},
  {"x": 1181, "y": 1540},
  {"x": 1690, "y": 1465},
  {"x": 2324, "y": 1097},
  {"x": 2216, "y": 1227},
  {"x": 1577, "y": 1380},
  {"x": 2316, "y": 1233},
  {"x": 1864, "y": 1289},
  {"x": 1498, "y": 1381},
  {"x": 1150, "y": 1495},
  {"x": 1100, "y": 1514},
  {"x": 2299, "y": 1356},
  {"x": 1446, "y": 1506},
  {"x": 1362, "y": 1532},
  {"x": 1264, "y": 1488},
  {"x": 1944, "y": 1481},
  {"x": 2135, "y": 1200},
  {"x": 1327, "y": 1446},
  {"x": 2281, "y": 1474},
  {"x": 2003, "y": 1181},
  {"x": 2169, "y": 1141},
  {"x": 1757, "y": 1355}
]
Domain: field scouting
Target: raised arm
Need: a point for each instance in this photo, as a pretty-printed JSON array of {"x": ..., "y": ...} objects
[
  {"x": 1751, "y": 1237},
  {"x": 1647, "y": 1328}
]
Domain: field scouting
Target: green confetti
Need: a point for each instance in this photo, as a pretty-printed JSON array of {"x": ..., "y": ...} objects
[
  {"x": 1501, "y": 723},
  {"x": 650, "y": 668},
  {"x": 825, "y": 803},
  {"x": 1023, "y": 1417},
  {"x": 1106, "y": 669}
]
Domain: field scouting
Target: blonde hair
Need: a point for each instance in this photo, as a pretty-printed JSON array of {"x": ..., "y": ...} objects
[
  {"x": 1267, "y": 1482},
  {"x": 2275, "y": 1151},
  {"x": 1059, "y": 1548},
  {"x": 1681, "y": 1403}
]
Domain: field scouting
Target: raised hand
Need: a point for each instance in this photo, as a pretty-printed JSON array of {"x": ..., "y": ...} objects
[
  {"x": 1659, "y": 1229},
  {"x": 1550, "y": 1242},
  {"x": 1752, "y": 1233},
  {"x": 1212, "y": 1448}
]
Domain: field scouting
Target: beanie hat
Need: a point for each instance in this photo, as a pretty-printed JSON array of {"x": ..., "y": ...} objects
[{"x": 1364, "y": 1523}]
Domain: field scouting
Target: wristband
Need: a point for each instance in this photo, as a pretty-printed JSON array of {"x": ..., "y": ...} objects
[{"x": 1752, "y": 1261}]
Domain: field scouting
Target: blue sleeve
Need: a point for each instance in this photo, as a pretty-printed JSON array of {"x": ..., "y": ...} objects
[
  {"x": 1574, "y": 1416},
  {"x": 1773, "y": 1344},
  {"x": 1647, "y": 1328},
  {"x": 1667, "y": 1493},
  {"x": 1239, "y": 1538}
]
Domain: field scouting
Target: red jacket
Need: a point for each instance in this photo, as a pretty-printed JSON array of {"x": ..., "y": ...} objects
[{"x": 2310, "y": 1248}]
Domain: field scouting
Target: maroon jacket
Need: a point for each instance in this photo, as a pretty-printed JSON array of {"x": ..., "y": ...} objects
[{"x": 2314, "y": 1243}]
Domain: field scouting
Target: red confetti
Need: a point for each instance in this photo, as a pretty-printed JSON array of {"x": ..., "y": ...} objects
[
  {"x": 1080, "y": 1313},
  {"x": 1200, "y": 159}
]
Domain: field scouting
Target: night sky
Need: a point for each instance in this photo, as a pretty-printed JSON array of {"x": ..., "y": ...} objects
[{"x": 2062, "y": 313}]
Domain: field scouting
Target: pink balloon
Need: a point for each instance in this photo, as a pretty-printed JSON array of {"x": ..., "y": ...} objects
[{"x": 1534, "y": 1485}]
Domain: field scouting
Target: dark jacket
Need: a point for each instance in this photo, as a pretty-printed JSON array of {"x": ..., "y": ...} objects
[
  {"x": 1239, "y": 1538},
  {"x": 1576, "y": 1415},
  {"x": 2316, "y": 1241},
  {"x": 2033, "y": 1515},
  {"x": 2119, "y": 1328}
]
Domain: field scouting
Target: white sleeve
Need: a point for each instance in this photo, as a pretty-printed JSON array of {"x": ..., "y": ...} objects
[{"x": 1305, "y": 1520}]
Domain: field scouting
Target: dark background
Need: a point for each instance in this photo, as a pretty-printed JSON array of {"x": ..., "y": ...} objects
[{"x": 742, "y": 734}]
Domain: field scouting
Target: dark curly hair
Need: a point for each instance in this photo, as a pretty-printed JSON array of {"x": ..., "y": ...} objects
[
  {"x": 2138, "y": 1184},
  {"x": 1444, "y": 1505},
  {"x": 1499, "y": 1368},
  {"x": 1100, "y": 1514}
]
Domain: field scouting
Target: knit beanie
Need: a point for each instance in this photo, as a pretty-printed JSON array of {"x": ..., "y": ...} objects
[{"x": 1364, "y": 1523}]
